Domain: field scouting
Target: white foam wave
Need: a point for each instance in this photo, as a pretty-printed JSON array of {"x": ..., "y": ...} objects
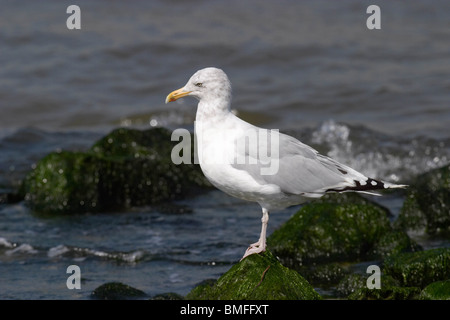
[
  {"x": 378, "y": 155},
  {"x": 23, "y": 248},
  {"x": 5, "y": 243},
  {"x": 57, "y": 251}
]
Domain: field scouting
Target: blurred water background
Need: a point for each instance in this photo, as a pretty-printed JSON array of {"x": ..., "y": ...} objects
[{"x": 377, "y": 100}]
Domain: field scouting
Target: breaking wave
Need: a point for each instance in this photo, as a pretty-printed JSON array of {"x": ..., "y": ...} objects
[{"x": 379, "y": 155}]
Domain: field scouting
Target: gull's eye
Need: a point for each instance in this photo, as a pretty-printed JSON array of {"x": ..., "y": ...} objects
[{"x": 199, "y": 84}]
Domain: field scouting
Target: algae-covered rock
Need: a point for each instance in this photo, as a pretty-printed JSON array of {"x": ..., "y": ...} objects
[
  {"x": 116, "y": 291},
  {"x": 257, "y": 277},
  {"x": 202, "y": 291},
  {"x": 64, "y": 182},
  {"x": 386, "y": 293},
  {"x": 427, "y": 205},
  {"x": 351, "y": 283},
  {"x": 131, "y": 143},
  {"x": 338, "y": 228},
  {"x": 419, "y": 269},
  {"x": 393, "y": 242},
  {"x": 323, "y": 275},
  {"x": 439, "y": 290},
  {"x": 168, "y": 296},
  {"x": 125, "y": 168},
  {"x": 139, "y": 170},
  {"x": 355, "y": 287}
]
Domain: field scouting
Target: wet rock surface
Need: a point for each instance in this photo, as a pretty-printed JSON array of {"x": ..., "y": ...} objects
[
  {"x": 257, "y": 277},
  {"x": 338, "y": 228},
  {"x": 126, "y": 168},
  {"x": 427, "y": 205}
]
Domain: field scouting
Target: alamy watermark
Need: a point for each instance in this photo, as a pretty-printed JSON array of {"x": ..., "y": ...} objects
[
  {"x": 74, "y": 280},
  {"x": 74, "y": 20},
  {"x": 373, "y": 22},
  {"x": 374, "y": 280}
]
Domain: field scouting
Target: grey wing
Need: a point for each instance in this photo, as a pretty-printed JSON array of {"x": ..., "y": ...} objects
[{"x": 299, "y": 170}]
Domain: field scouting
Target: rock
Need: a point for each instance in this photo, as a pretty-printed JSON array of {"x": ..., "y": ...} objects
[
  {"x": 439, "y": 290},
  {"x": 354, "y": 287},
  {"x": 386, "y": 293},
  {"x": 64, "y": 182},
  {"x": 324, "y": 275},
  {"x": 202, "y": 291},
  {"x": 351, "y": 283},
  {"x": 426, "y": 207},
  {"x": 393, "y": 242},
  {"x": 168, "y": 296},
  {"x": 257, "y": 277},
  {"x": 403, "y": 276},
  {"x": 9, "y": 196},
  {"x": 418, "y": 269},
  {"x": 342, "y": 227},
  {"x": 116, "y": 291},
  {"x": 125, "y": 168},
  {"x": 131, "y": 143}
]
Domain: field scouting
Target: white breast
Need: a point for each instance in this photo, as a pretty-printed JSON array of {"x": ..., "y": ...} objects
[{"x": 216, "y": 154}]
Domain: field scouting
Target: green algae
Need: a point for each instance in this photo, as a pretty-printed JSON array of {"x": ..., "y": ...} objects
[
  {"x": 421, "y": 268},
  {"x": 439, "y": 290},
  {"x": 257, "y": 277},
  {"x": 427, "y": 204},
  {"x": 126, "y": 168},
  {"x": 338, "y": 228}
]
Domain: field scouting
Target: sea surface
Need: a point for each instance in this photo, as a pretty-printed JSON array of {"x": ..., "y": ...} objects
[{"x": 377, "y": 100}]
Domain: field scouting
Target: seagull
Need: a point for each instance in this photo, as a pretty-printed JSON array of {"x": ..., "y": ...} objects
[{"x": 261, "y": 165}]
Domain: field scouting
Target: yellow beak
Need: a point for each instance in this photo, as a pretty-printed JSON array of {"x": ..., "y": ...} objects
[{"x": 177, "y": 94}]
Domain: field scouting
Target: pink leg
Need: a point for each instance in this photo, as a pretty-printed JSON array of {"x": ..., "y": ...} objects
[{"x": 259, "y": 246}]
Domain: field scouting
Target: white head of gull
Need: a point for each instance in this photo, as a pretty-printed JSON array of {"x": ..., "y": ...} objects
[{"x": 255, "y": 164}]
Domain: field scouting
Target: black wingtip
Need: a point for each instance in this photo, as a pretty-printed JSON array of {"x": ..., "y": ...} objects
[{"x": 369, "y": 185}]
